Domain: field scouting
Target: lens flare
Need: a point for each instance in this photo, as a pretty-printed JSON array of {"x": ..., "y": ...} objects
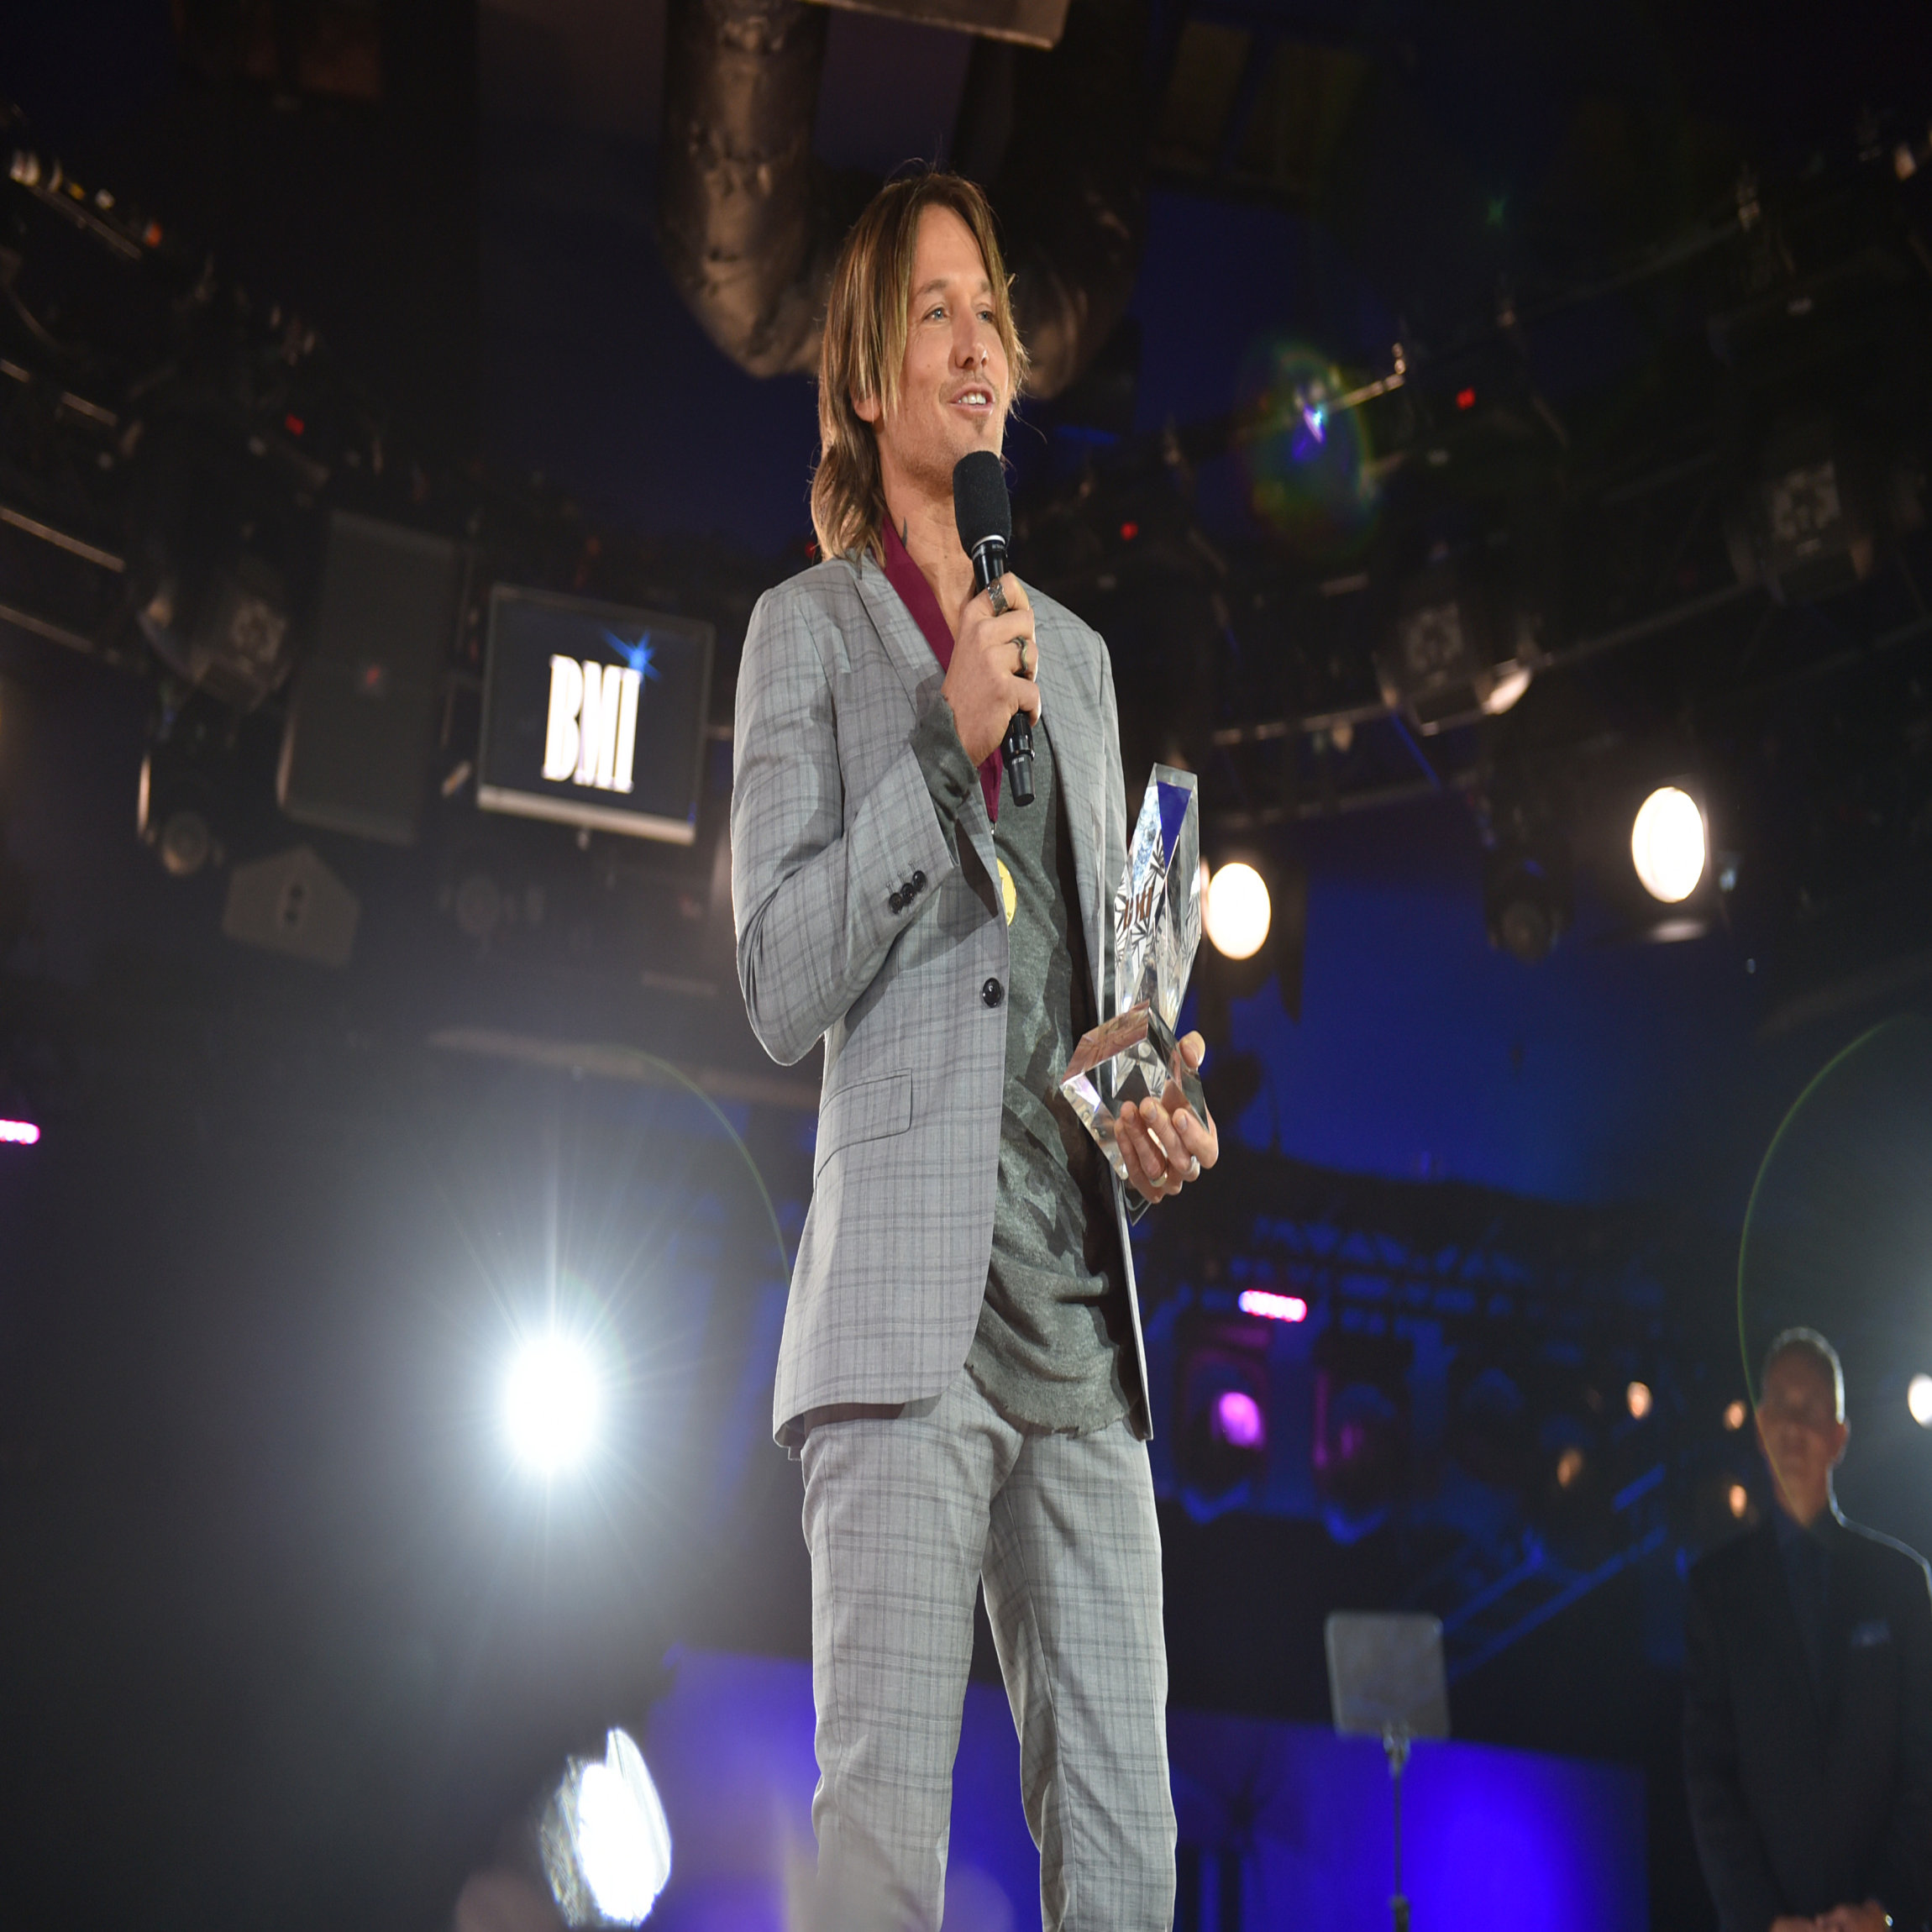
[
  {"x": 552, "y": 1397},
  {"x": 1307, "y": 461},
  {"x": 605, "y": 1841}
]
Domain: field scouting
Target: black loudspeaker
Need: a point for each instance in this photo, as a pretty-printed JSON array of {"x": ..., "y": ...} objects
[{"x": 356, "y": 748}]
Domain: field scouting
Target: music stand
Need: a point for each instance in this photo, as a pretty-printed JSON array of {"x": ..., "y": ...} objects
[{"x": 1385, "y": 1680}]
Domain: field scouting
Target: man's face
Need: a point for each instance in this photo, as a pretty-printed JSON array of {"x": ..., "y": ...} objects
[
  {"x": 1798, "y": 1428},
  {"x": 953, "y": 392}
]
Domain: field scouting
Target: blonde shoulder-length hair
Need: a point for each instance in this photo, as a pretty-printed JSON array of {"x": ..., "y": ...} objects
[{"x": 863, "y": 350}]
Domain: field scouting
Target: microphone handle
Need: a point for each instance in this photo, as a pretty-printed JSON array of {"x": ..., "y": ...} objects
[{"x": 1016, "y": 751}]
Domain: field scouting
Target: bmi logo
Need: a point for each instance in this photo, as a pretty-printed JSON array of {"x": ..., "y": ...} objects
[{"x": 591, "y": 737}]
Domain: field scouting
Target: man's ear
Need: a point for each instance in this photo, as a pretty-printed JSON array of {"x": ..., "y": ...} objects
[{"x": 866, "y": 409}]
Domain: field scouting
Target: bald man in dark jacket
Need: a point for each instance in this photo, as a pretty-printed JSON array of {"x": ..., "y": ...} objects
[{"x": 1808, "y": 1720}]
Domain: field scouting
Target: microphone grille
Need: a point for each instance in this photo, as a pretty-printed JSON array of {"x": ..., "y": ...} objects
[{"x": 980, "y": 506}]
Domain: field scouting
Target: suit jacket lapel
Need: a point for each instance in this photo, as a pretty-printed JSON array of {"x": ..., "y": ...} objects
[
  {"x": 919, "y": 671},
  {"x": 1078, "y": 768}
]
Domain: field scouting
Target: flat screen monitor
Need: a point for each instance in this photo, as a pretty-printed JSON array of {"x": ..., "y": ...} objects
[{"x": 594, "y": 714}]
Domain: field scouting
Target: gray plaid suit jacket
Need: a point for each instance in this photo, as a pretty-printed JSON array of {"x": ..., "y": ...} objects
[{"x": 855, "y": 925}]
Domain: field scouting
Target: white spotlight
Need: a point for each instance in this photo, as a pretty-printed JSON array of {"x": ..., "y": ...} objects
[
  {"x": 551, "y": 1400},
  {"x": 1667, "y": 844},
  {"x": 1919, "y": 1399},
  {"x": 1236, "y": 911},
  {"x": 607, "y": 1843}
]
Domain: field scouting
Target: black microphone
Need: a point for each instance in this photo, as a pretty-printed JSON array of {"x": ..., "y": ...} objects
[{"x": 985, "y": 517}]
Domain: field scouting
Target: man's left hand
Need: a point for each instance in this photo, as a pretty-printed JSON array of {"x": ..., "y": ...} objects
[
  {"x": 1870, "y": 1917},
  {"x": 1165, "y": 1143}
]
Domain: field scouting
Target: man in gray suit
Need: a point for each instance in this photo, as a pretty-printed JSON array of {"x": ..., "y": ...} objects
[{"x": 962, "y": 1372}]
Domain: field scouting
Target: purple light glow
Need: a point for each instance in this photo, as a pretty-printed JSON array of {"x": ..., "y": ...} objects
[
  {"x": 1274, "y": 1307},
  {"x": 1238, "y": 1419},
  {"x": 1547, "y": 1844},
  {"x": 23, "y": 1133}
]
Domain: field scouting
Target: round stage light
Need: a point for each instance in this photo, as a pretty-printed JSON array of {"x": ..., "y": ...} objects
[
  {"x": 1739, "y": 1498},
  {"x": 1638, "y": 1397},
  {"x": 1236, "y": 911},
  {"x": 1919, "y": 1399},
  {"x": 1667, "y": 844},
  {"x": 1238, "y": 1419},
  {"x": 551, "y": 1400},
  {"x": 1734, "y": 1414}
]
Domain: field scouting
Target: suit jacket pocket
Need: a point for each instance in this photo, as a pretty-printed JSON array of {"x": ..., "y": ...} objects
[{"x": 866, "y": 1111}]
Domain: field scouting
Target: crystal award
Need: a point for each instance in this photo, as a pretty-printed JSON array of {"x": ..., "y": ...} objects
[{"x": 1156, "y": 926}]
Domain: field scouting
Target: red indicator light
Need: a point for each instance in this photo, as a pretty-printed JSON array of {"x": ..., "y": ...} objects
[
  {"x": 1129, "y": 532},
  {"x": 1465, "y": 398},
  {"x": 292, "y": 424}
]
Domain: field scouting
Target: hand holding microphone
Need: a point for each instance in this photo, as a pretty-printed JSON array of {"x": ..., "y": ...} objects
[{"x": 991, "y": 683}]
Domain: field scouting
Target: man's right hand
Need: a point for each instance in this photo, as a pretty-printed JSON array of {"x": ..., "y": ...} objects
[{"x": 983, "y": 684}]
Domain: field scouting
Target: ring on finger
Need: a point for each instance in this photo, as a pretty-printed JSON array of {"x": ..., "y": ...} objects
[
  {"x": 996, "y": 597},
  {"x": 1021, "y": 643}
]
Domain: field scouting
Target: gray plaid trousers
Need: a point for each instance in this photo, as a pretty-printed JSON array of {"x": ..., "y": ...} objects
[{"x": 904, "y": 1516}]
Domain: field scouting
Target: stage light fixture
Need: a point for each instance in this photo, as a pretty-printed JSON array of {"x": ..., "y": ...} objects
[
  {"x": 1734, "y": 1415},
  {"x": 1236, "y": 911},
  {"x": 1221, "y": 1397},
  {"x": 1808, "y": 520},
  {"x": 1238, "y": 1419},
  {"x": 1488, "y": 1429},
  {"x": 1463, "y": 586},
  {"x": 1919, "y": 1399},
  {"x": 1359, "y": 1451},
  {"x": 1638, "y": 1400},
  {"x": 606, "y": 1845},
  {"x": 552, "y": 1397},
  {"x": 19, "y": 1133},
  {"x": 1270, "y": 1305},
  {"x": 1669, "y": 845},
  {"x": 1570, "y": 1467},
  {"x": 1458, "y": 648},
  {"x": 1738, "y": 1498},
  {"x": 1528, "y": 897}
]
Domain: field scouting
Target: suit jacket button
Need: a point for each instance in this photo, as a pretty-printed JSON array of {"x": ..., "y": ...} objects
[
  {"x": 991, "y": 993},
  {"x": 896, "y": 903},
  {"x": 919, "y": 882}
]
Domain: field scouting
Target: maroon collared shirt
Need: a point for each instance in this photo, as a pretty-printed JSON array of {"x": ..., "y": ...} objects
[{"x": 907, "y": 578}]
